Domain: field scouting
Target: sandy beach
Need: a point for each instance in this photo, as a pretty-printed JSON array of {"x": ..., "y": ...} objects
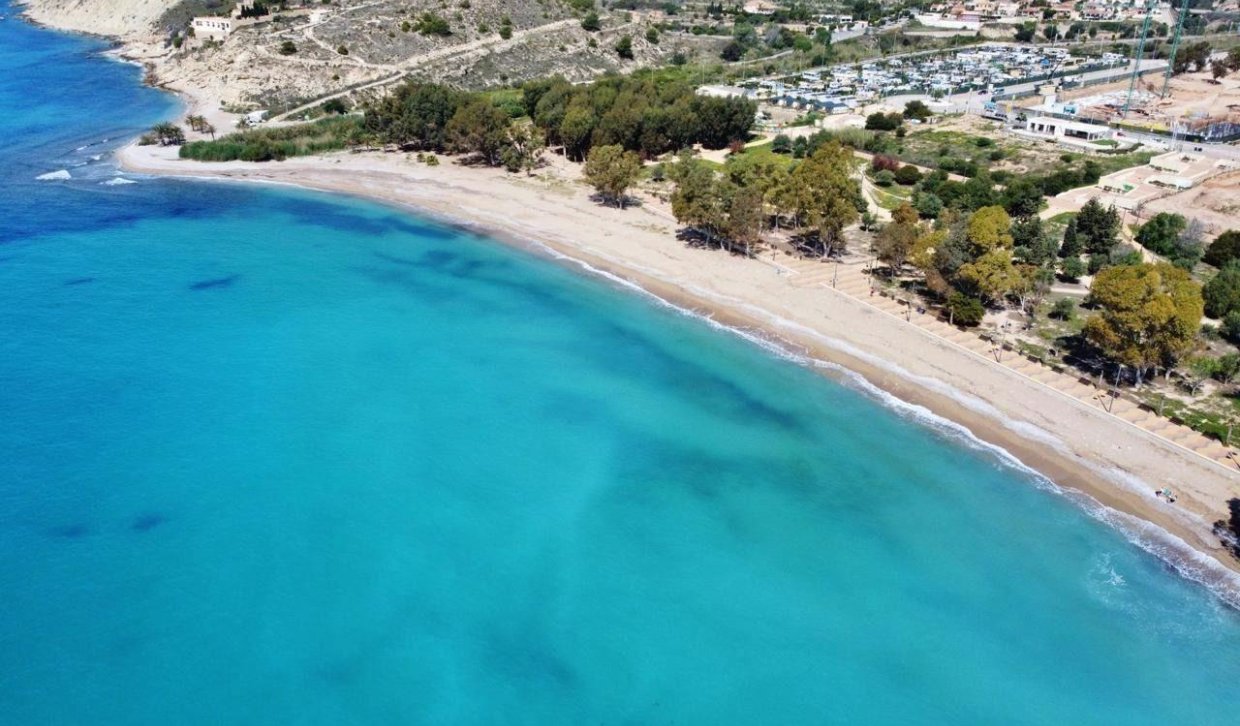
[{"x": 1094, "y": 456}]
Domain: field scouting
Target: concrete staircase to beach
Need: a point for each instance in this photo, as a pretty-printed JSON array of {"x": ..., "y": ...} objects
[{"x": 852, "y": 279}]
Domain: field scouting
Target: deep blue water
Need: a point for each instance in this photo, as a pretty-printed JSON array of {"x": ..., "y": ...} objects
[{"x": 271, "y": 457}]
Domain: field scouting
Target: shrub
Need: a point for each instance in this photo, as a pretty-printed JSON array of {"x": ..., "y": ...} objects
[
  {"x": 1231, "y": 326},
  {"x": 505, "y": 32},
  {"x": 1064, "y": 309},
  {"x": 884, "y": 178},
  {"x": 1073, "y": 269},
  {"x": 908, "y": 175},
  {"x": 432, "y": 24},
  {"x": 883, "y": 121},
  {"x": 590, "y": 22},
  {"x": 965, "y": 310},
  {"x": 342, "y": 50},
  {"x": 781, "y": 144},
  {"x": 624, "y": 47},
  {"x": 883, "y": 162},
  {"x": 288, "y": 47}
]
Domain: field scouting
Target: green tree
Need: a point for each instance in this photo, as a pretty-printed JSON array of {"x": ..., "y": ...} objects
[
  {"x": 524, "y": 149},
  {"x": 1224, "y": 249},
  {"x": 745, "y": 212},
  {"x": 1072, "y": 246},
  {"x": 895, "y": 241},
  {"x": 414, "y": 116},
  {"x": 479, "y": 127},
  {"x": 1148, "y": 315},
  {"x": 612, "y": 171},
  {"x": 721, "y": 121},
  {"x": 827, "y": 194},
  {"x": 1222, "y": 293},
  {"x": 1097, "y": 227},
  {"x": 576, "y": 129},
  {"x": 1160, "y": 233},
  {"x": 927, "y": 204},
  {"x": 1022, "y": 198},
  {"x": 1033, "y": 245},
  {"x": 883, "y": 121},
  {"x": 696, "y": 202},
  {"x": 965, "y": 310}
]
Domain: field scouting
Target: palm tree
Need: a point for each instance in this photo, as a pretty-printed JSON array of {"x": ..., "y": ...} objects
[{"x": 169, "y": 134}]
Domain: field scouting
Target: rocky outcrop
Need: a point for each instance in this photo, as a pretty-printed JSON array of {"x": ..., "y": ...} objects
[{"x": 128, "y": 19}]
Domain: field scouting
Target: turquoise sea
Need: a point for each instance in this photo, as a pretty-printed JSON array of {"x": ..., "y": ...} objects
[{"x": 270, "y": 457}]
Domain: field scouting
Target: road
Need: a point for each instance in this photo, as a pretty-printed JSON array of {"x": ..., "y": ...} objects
[{"x": 398, "y": 70}]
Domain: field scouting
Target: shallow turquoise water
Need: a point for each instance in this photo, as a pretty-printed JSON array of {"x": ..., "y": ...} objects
[{"x": 276, "y": 458}]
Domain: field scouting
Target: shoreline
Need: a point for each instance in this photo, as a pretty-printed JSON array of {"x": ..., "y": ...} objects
[
  {"x": 1105, "y": 464},
  {"x": 1103, "y": 486}
]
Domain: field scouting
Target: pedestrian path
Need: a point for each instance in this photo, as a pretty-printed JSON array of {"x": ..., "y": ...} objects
[{"x": 852, "y": 279}]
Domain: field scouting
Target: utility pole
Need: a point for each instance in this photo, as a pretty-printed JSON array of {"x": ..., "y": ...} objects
[
  {"x": 1140, "y": 52},
  {"x": 1175, "y": 46}
]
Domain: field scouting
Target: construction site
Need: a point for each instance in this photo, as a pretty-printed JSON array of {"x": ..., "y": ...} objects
[
  {"x": 1190, "y": 107},
  {"x": 1201, "y": 106}
]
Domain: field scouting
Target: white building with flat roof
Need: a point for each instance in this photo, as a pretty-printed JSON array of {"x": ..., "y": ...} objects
[
  {"x": 213, "y": 28},
  {"x": 1059, "y": 128}
]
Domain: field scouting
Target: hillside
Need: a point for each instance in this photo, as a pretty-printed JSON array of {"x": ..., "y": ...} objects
[
  {"x": 119, "y": 18},
  {"x": 308, "y": 51}
]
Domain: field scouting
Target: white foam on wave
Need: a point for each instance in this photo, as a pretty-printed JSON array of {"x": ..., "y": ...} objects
[
  {"x": 117, "y": 181},
  {"x": 1186, "y": 560},
  {"x": 60, "y": 175}
]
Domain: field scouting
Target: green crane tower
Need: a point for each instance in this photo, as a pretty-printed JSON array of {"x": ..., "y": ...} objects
[
  {"x": 1137, "y": 57},
  {"x": 1175, "y": 46}
]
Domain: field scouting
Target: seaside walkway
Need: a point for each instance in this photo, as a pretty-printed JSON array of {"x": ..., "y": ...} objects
[{"x": 851, "y": 278}]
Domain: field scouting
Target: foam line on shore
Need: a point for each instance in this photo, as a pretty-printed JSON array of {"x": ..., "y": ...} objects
[{"x": 1189, "y": 562}]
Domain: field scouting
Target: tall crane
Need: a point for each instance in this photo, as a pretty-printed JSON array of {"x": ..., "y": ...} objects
[
  {"x": 1175, "y": 46},
  {"x": 1138, "y": 56}
]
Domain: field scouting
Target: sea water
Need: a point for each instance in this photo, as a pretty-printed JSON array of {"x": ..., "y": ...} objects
[{"x": 274, "y": 457}]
